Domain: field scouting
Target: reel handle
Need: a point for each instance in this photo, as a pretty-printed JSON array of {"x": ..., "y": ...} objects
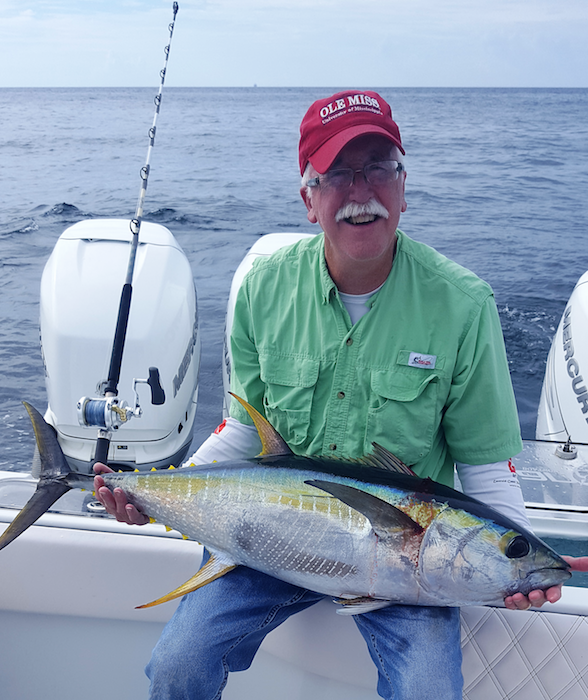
[{"x": 157, "y": 392}]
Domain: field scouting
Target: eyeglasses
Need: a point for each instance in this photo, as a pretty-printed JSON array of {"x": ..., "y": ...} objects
[{"x": 376, "y": 174}]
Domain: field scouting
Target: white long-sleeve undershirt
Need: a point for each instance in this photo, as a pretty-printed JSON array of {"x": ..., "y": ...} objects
[
  {"x": 231, "y": 440},
  {"x": 497, "y": 486}
]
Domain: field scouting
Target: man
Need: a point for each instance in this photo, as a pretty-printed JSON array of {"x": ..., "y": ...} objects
[{"x": 355, "y": 336}]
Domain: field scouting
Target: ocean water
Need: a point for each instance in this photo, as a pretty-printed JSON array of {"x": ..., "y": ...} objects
[{"x": 497, "y": 180}]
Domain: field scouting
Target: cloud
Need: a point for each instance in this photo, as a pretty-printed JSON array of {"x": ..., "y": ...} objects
[{"x": 297, "y": 42}]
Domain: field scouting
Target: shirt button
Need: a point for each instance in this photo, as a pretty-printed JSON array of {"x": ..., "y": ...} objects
[
  {"x": 332, "y": 446},
  {"x": 341, "y": 395},
  {"x": 349, "y": 341}
]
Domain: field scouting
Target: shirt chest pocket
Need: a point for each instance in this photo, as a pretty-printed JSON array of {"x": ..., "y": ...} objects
[
  {"x": 404, "y": 413},
  {"x": 289, "y": 390}
]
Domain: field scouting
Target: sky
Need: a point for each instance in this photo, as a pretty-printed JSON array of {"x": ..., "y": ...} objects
[{"x": 295, "y": 43}]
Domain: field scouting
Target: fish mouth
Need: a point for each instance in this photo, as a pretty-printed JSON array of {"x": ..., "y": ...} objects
[{"x": 541, "y": 579}]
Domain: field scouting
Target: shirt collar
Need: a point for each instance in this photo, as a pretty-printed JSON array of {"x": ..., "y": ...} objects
[{"x": 329, "y": 288}]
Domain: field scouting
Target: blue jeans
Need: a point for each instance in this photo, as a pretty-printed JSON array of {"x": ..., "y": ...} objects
[{"x": 219, "y": 628}]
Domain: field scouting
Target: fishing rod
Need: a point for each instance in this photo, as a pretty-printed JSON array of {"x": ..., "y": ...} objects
[{"x": 109, "y": 413}]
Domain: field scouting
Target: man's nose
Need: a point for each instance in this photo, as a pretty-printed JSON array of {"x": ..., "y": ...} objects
[{"x": 360, "y": 185}]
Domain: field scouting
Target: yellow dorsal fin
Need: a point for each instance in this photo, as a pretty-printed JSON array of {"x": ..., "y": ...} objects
[
  {"x": 214, "y": 568},
  {"x": 272, "y": 442}
]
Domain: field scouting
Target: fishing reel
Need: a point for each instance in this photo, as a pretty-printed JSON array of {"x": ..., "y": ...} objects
[{"x": 110, "y": 413}]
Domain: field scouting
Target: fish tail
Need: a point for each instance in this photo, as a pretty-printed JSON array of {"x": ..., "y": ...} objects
[{"x": 52, "y": 480}]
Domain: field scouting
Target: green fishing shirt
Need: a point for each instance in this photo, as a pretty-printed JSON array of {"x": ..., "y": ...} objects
[{"x": 423, "y": 373}]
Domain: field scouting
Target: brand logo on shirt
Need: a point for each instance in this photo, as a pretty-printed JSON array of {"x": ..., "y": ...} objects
[
  {"x": 511, "y": 467},
  {"x": 417, "y": 359},
  {"x": 220, "y": 427}
]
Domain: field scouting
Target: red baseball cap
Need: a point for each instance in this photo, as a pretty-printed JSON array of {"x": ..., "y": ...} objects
[{"x": 331, "y": 123}]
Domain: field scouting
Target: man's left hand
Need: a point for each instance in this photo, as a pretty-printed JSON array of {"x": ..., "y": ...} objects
[{"x": 536, "y": 599}]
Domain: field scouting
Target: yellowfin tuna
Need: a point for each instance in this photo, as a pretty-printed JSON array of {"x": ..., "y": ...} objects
[{"x": 367, "y": 532}]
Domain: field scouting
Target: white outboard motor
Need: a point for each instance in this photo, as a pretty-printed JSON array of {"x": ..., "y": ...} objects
[
  {"x": 80, "y": 294},
  {"x": 563, "y": 407}
]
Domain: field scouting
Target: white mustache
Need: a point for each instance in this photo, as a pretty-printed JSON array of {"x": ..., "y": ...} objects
[{"x": 373, "y": 207}]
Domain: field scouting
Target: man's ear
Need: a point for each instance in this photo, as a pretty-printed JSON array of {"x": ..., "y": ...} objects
[{"x": 311, "y": 216}]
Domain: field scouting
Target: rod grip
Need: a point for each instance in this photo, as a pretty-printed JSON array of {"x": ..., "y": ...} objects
[
  {"x": 102, "y": 445},
  {"x": 120, "y": 335}
]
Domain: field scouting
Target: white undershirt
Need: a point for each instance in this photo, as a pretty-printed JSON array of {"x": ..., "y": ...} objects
[{"x": 357, "y": 304}]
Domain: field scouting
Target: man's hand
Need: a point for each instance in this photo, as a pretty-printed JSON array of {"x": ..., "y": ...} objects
[
  {"x": 115, "y": 501},
  {"x": 577, "y": 563},
  {"x": 537, "y": 598}
]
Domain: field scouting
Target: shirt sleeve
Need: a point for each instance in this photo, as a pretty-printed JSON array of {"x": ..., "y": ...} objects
[
  {"x": 496, "y": 485},
  {"x": 245, "y": 371},
  {"x": 480, "y": 422},
  {"x": 230, "y": 441}
]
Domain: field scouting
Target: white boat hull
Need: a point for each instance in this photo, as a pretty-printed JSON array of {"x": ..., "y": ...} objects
[{"x": 71, "y": 582}]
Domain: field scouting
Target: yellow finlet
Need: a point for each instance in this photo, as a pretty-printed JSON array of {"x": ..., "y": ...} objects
[
  {"x": 168, "y": 528},
  {"x": 213, "y": 569},
  {"x": 153, "y": 469},
  {"x": 171, "y": 466},
  {"x": 152, "y": 521}
]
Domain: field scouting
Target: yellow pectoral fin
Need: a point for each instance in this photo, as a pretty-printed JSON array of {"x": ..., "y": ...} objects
[{"x": 214, "y": 568}]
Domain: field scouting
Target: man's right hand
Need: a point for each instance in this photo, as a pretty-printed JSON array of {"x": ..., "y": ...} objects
[{"x": 115, "y": 501}]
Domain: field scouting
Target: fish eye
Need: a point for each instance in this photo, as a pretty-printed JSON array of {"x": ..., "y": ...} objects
[{"x": 518, "y": 547}]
